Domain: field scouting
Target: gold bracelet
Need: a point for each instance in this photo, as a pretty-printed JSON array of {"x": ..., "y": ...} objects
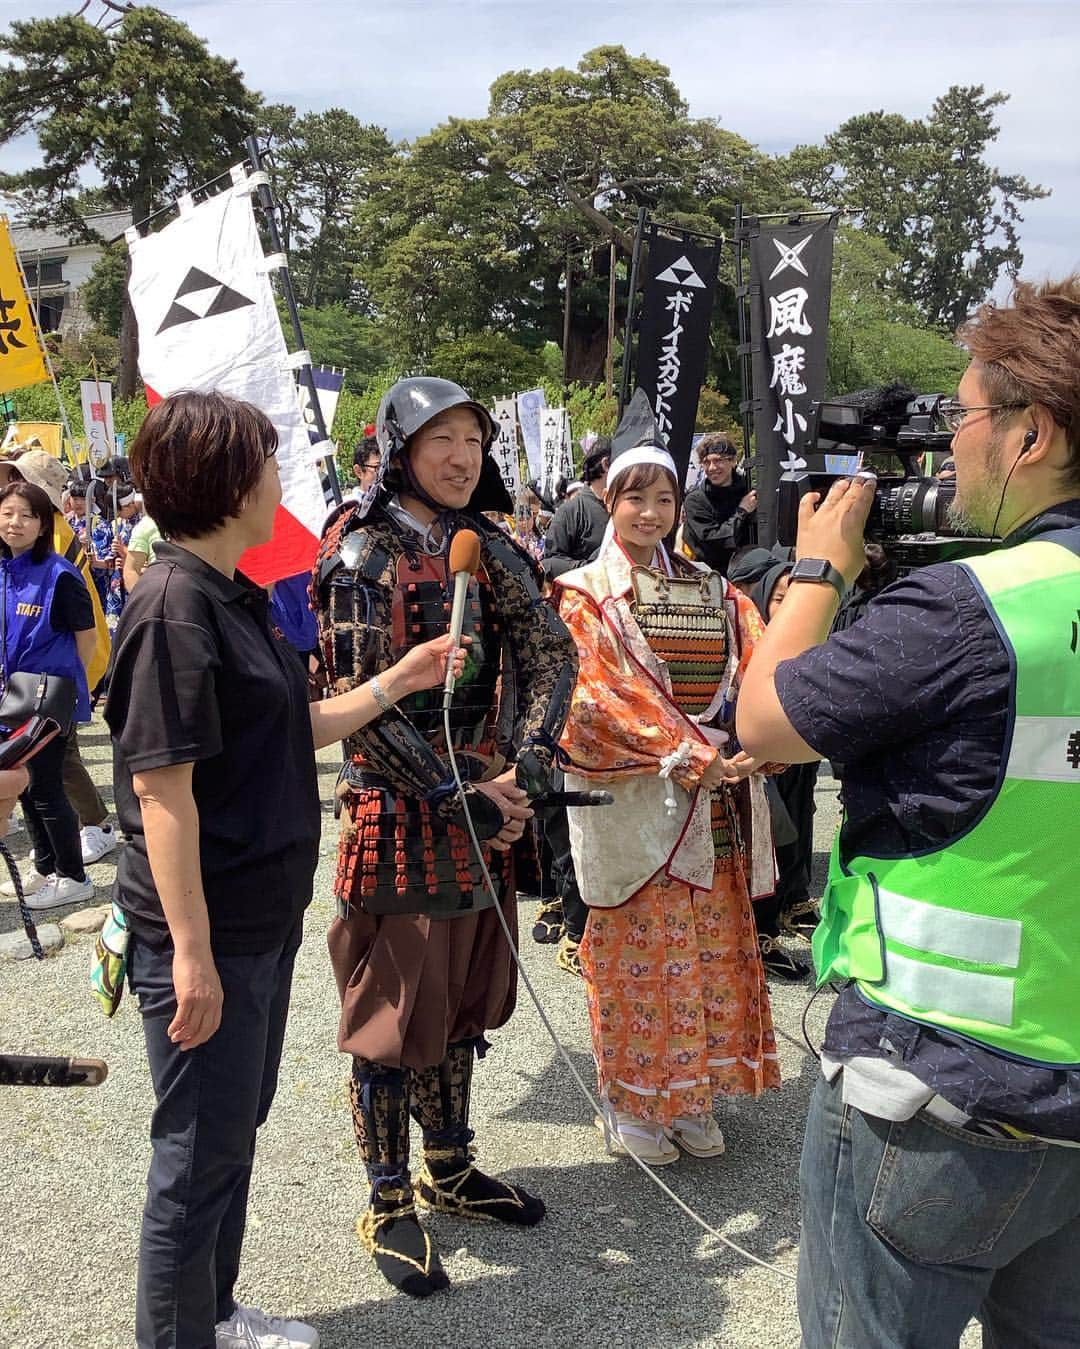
[{"x": 379, "y": 694}]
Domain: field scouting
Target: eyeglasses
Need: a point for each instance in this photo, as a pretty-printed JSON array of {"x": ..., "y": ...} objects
[{"x": 952, "y": 412}]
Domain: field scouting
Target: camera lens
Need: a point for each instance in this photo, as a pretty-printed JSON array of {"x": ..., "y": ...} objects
[{"x": 918, "y": 506}]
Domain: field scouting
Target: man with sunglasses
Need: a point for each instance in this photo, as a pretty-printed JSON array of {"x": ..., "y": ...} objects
[
  {"x": 719, "y": 515},
  {"x": 941, "y": 1165}
]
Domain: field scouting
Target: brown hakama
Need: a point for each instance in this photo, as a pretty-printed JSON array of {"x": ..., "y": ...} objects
[{"x": 410, "y": 984}]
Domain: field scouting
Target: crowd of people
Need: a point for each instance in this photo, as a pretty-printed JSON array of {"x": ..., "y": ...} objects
[{"x": 699, "y": 685}]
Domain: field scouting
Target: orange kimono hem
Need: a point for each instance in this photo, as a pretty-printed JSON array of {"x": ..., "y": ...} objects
[{"x": 678, "y": 1005}]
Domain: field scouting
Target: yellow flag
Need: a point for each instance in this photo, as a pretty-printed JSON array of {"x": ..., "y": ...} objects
[
  {"x": 48, "y": 435},
  {"x": 21, "y": 359}
]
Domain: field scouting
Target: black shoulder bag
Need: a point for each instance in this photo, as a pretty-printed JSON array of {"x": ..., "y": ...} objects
[{"x": 32, "y": 695}]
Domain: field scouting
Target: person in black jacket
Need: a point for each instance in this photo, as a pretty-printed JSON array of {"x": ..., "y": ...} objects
[
  {"x": 573, "y": 537},
  {"x": 577, "y": 529},
  {"x": 718, "y": 515}
]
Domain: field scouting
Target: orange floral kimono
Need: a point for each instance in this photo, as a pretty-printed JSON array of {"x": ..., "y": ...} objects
[{"x": 678, "y": 1005}]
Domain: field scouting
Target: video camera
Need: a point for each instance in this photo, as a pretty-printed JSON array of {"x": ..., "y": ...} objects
[{"x": 910, "y": 514}]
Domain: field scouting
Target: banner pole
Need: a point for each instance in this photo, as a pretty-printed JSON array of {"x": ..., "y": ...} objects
[
  {"x": 744, "y": 354},
  {"x": 566, "y": 325},
  {"x": 266, "y": 201},
  {"x": 628, "y": 334},
  {"x": 609, "y": 364}
]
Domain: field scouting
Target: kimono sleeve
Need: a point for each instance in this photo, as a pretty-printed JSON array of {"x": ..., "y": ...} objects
[{"x": 619, "y": 725}]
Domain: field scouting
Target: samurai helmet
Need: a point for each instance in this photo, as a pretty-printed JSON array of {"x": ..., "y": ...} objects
[{"x": 408, "y": 406}]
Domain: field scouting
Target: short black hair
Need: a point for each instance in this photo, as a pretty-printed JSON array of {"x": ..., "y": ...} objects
[
  {"x": 41, "y": 508},
  {"x": 594, "y": 466},
  {"x": 364, "y": 450}
]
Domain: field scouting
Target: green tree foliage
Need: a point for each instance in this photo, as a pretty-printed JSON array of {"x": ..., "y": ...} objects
[
  {"x": 489, "y": 365},
  {"x": 144, "y": 103},
  {"x": 336, "y": 336},
  {"x": 456, "y": 252},
  {"x": 443, "y": 243},
  {"x": 475, "y": 222},
  {"x": 37, "y": 403},
  {"x": 874, "y": 337},
  {"x": 105, "y": 289},
  {"x": 926, "y": 189},
  {"x": 325, "y": 164}
]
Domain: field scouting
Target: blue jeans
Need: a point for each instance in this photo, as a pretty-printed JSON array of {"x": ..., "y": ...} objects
[
  {"x": 210, "y": 1103},
  {"x": 911, "y": 1229}
]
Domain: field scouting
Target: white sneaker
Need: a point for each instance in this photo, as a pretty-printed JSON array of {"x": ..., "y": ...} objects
[
  {"x": 249, "y": 1328},
  {"x": 32, "y": 882},
  {"x": 98, "y": 840},
  {"x": 60, "y": 890}
]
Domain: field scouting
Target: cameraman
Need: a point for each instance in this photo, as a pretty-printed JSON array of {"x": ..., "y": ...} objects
[{"x": 941, "y": 1175}]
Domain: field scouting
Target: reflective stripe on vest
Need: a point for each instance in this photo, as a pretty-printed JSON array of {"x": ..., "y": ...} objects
[{"x": 979, "y": 937}]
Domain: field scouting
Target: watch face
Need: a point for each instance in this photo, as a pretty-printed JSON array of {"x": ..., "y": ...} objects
[{"x": 812, "y": 568}]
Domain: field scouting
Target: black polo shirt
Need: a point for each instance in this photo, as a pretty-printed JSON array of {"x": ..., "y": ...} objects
[{"x": 199, "y": 677}]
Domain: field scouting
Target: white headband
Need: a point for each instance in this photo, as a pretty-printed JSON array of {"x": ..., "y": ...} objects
[{"x": 643, "y": 454}]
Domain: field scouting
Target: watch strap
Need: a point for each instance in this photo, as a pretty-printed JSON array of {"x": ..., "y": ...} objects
[{"x": 820, "y": 572}]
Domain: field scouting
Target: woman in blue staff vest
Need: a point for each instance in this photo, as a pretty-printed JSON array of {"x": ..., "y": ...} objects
[{"x": 48, "y": 628}]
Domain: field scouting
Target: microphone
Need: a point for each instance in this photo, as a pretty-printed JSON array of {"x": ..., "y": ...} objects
[
  {"x": 548, "y": 800},
  {"x": 464, "y": 564}
]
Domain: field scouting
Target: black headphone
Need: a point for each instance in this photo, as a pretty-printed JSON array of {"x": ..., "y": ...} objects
[{"x": 1030, "y": 437}]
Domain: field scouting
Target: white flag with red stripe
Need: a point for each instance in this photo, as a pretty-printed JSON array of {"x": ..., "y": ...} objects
[{"x": 207, "y": 320}]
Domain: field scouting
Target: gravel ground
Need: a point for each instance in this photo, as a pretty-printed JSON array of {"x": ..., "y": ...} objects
[{"x": 614, "y": 1263}]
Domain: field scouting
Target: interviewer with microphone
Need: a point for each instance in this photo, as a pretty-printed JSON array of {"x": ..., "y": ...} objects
[
  {"x": 422, "y": 964},
  {"x": 941, "y": 1166},
  {"x": 217, "y": 792}
]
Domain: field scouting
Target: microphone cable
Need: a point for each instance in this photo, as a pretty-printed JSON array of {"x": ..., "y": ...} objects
[{"x": 602, "y": 1111}]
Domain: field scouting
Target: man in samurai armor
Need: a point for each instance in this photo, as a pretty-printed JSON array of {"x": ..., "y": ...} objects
[{"x": 421, "y": 961}]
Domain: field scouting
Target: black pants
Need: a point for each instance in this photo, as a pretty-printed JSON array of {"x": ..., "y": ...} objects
[
  {"x": 52, "y": 824},
  {"x": 794, "y": 860},
  {"x": 210, "y": 1104},
  {"x": 84, "y": 797},
  {"x": 557, "y": 836}
]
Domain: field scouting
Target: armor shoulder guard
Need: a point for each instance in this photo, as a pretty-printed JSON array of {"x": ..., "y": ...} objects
[{"x": 351, "y": 543}]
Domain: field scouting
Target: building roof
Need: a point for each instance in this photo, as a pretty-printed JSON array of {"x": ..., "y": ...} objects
[{"x": 28, "y": 239}]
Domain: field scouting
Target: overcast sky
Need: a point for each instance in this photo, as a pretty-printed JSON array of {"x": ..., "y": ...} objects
[{"x": 777, "y": 72}]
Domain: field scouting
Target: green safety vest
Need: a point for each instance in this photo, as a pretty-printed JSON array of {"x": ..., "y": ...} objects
[{"x": 981, "y": 937}]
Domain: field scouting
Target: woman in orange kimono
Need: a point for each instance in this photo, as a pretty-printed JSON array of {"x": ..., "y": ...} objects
[{"x": 678, "y": 1005}]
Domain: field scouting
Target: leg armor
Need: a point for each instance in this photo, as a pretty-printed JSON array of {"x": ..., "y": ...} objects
[
  {"x": 448, "y": 1180},
  {"x": 388, "y": 1229}
]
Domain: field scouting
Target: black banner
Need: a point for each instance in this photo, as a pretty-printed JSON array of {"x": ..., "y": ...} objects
[
  {"x": 674, "y": 334},
  {"x": 790, "y": 286}
]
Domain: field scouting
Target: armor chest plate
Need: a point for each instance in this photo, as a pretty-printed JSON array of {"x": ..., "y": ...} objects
[
  {"x": 684, "y": 621},
  {"x": 420, "y": 611}
]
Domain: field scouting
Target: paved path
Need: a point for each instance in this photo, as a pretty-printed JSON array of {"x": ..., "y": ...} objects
[{"x": 613, "y": 1264}]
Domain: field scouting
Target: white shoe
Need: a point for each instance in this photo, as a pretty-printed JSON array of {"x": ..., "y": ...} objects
[
  {"x": 32, "y": 882},
  {"x": 59, "y": 891},
  {"x": 699, "y": 1135},
  {"x": 98, "y": 840},
  {"x": 249, "y": 1328}
]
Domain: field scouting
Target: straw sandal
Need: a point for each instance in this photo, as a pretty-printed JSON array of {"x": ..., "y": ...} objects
[
  {"x": 648, "y": 1143},
  {"x": 698, "y": 1135}
]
